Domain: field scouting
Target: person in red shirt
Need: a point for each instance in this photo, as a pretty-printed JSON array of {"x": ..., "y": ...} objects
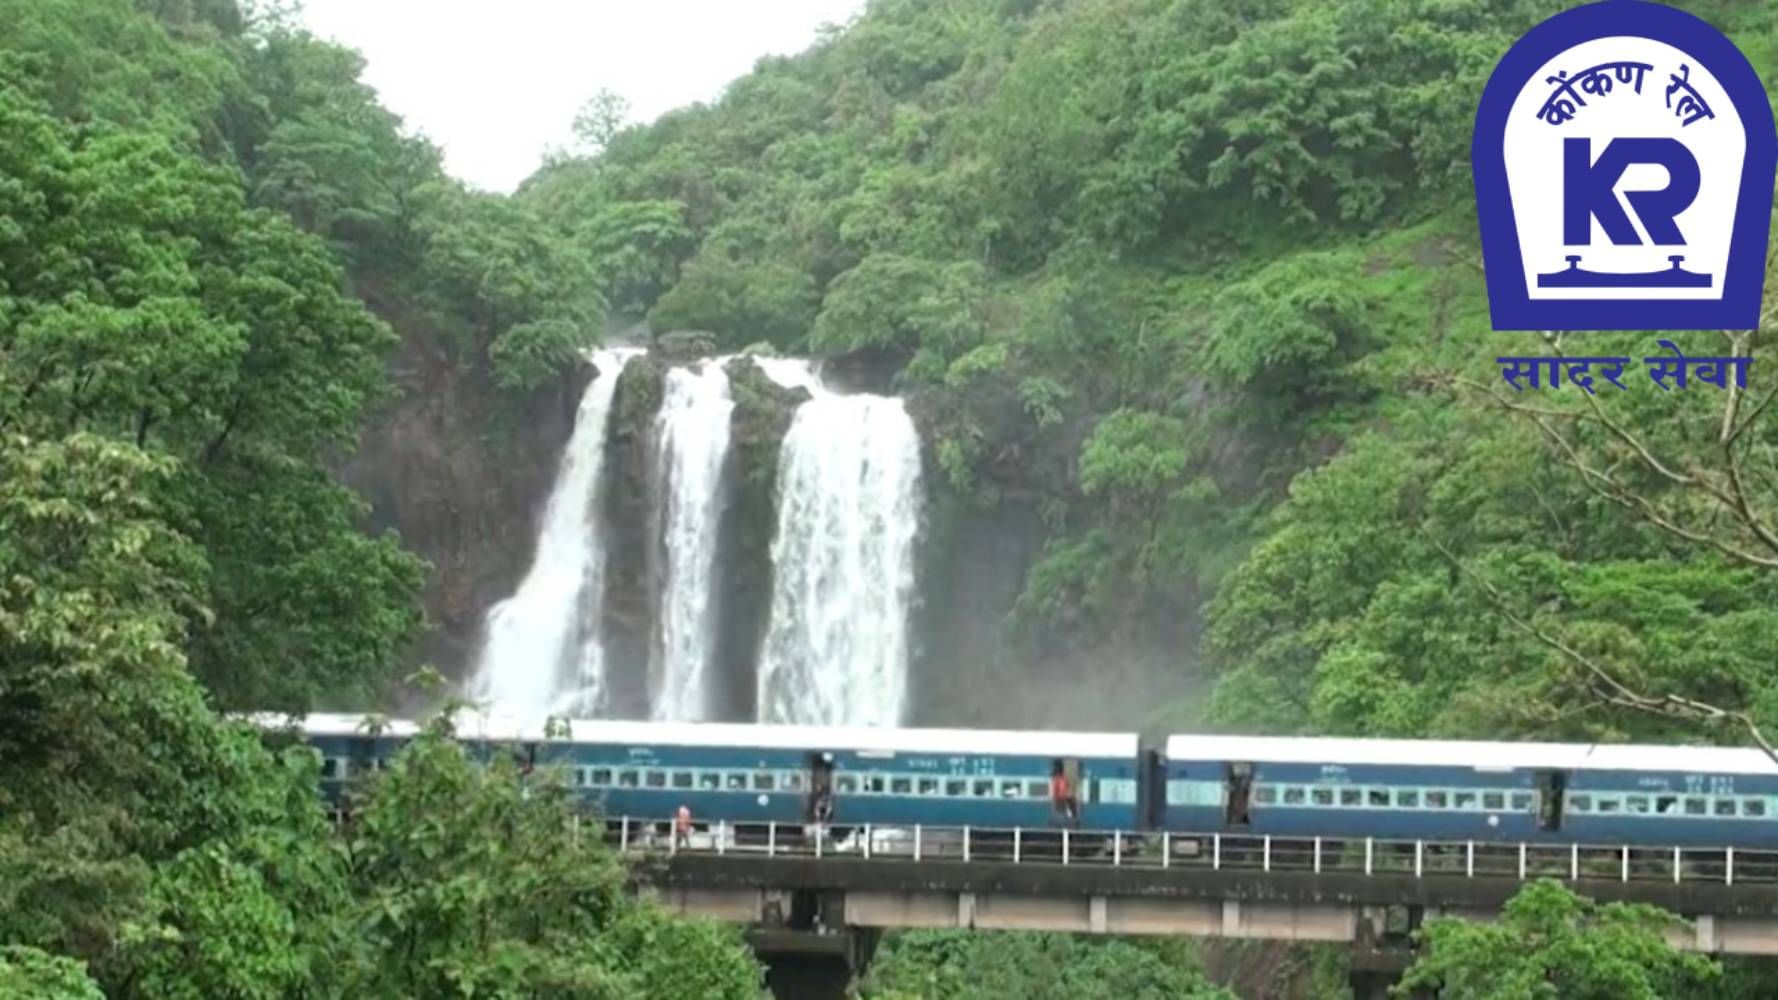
[{"x": 1061, "y": 795}]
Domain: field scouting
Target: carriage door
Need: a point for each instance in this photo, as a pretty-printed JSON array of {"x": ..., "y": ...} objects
[
  {"x": 1550, "y": 788},
  {"x": 1240, "y": 795},
  {"x": 819, "y": 808}
]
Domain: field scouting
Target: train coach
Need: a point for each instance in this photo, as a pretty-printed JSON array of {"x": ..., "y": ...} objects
[
  {"x": 757, "y": 774},
  {"x": 1603, "y": 794}
]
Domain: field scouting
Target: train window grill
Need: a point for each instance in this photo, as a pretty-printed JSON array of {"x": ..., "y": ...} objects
[
  {"x": 710, "y": 781},
  {"x": 957, "y": 788},
  {"x": 330, "y": 768},
  {"x": 1493, "y": 801},
  {"x": 1637, "y": 804},
  {"x": 1377, "y": 798},
  {"x": 846, "y": 784},
  {"x": 682, "y": 779},
  {"x": 1463, "y": 800},
  {"x": 928, "y": 786},
  {"x": 1753, "y": 807},
  {"x": 793, "y": 781},
  {"x": 1725, "y": 806},
  {"x": 1522, "y": 802},
  {"x": 1408, "y": 798},
  {"x": 1437, "y": 799},
  {"x": 984, "y": 788},
  {"x": 1010, "y": 789},
  {"x": 1610, "y": 804},
  {"x": 1120, "y": 791},
  {"x": 655, "y": 779},
  {"x": 1580, "y": 803},
  {"x": 1321, "y": 796},
  {"x": 736, "y": 781},
  {"x": 875, "y": 784},
  {"x": 1350, "y": 797},
  {"x": 628, "y": 779},
  {"x": 1293, "y": 795},
  {"x": 901, "y": 786},
  {"x": 765, "y": 781},
  {"x": 1265, "y": 795},
  {"x": 600, "y": 776},
  {"x": 1036, "y": 789},
  {"x": 1666, "y": 804},
  {"x": 1694, "y": 806}
]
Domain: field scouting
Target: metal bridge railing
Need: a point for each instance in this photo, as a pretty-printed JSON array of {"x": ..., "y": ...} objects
[{"x": 1213, "y": 851}]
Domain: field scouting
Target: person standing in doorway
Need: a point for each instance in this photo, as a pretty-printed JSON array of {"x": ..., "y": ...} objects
[{"x": 682, "y": 828}]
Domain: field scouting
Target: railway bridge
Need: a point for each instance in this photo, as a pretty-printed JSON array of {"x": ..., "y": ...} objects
[{"x": 816, "y": 900}]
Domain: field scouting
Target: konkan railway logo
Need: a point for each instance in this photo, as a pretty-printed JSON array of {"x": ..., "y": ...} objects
[{"x": 1624, "y": 159}]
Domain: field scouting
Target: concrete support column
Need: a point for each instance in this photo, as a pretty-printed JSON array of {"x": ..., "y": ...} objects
[
  {"x": 966, "y": 909},
  {"x": 1705, "y": 929},
  {"x": 1096, "y": 914},
  {"x": 1231, "y": 917}
]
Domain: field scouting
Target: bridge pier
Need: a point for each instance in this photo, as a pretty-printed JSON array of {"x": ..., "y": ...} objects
[{"x": 813, "y": 964}]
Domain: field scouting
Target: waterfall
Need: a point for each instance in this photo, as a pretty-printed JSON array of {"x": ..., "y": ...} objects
[
  {"x": 542, "y": 654},
  {"x": 836, "y": 647},
  {"x": 693, "y": 439}
]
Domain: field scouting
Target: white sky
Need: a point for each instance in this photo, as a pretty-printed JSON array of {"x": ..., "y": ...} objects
[{"x": 497, "y": 82}]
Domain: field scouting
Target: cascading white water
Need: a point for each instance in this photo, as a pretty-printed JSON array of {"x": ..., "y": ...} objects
[
  {"x": 693, "y": 437},
  {"x": 836, "y": 647},
  {"x": 543, "y": 653}
]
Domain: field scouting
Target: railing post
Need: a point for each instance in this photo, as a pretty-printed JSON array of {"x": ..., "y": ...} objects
[
  {"x": 1317, "y": 855},
  {"x": 1624, "y": 869},
  {"x": 772, "y": 839},
  {"x": 966, "y": 843},
  {"x": 867, "y": 841},
  {"x": 673, "y": 841},
  {"x": 1017, "y": 837},
  {"x": 1469, "y": 860},
  {"x": 1367, "y": 854},
  {"x": 916, "y": 841},
  {"x": 818, "y": 840},
  {"x": 1265, "y": 853},
  {"x": 1728, "y": 872},
  {"x": 623, "y": 838},
  {"x": 1064, "y": 845},
  {"x": 1521, "y": 861},
  {"x": 722, "y": 836},
  {"x": 1117, "y": 848},
  {"x": 1418, "y": 845},
  {"x": 1166, "y": 850},
  {"x": 1676, "y": 864},
  {"x": 1216, "y": 851},
  {"x": 1574, "y": 862}
]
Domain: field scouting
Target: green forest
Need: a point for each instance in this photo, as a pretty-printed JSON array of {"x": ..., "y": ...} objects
[{"x": 1218, "y": 261}]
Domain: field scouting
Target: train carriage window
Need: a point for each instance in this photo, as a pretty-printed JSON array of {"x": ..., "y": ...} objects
[
  {"x": 1521, "y": 802},
  {"x": 1036, "y": 789},
  {"x": 1351, "y": 796},
  {"x": 1265, "y": 795},
  {"x": 928, "y": 786},
  {"x": 1376, "y": 798},
  {"x": 330, "y": 768},
  {"x": 1009, "y": 789},
  {"x": 876, "y": 784},
  {"x": 1580, "y": 803},
  {"x": 737, "y": 781},
  {"x": 956, "y": 788},
  {"x": 1694, "y": 806},
  {"x": 1610, "y": 804},
  {"x": 1293, "y": 795},
  {"x": 1637, "y": 804},
  {"x": 1493, "y": 801},
  {"x": 1407, "y": 798},
  {"x": 655, "y": 779},
  {"x": 628, "y": 779},
  {"x": 682, "y": 779},
  {"x": 600, "y": 776},
  {"x": 1724, "y": 806},
  {"x": 845, "y": 784},
  {"x": 1321, "y": 796},
  {"x": 1463, "y": 800},
  {"x": 984, "y": 788},
  {"x": 579, "y": 777},
  {"x": 765, "y": 781},
  {"x": 1753, "y": 807},
  {"x": 793, "y": 781},
  {"x": 710, "y": 781},
  {"x": 1437, "y": 798},
  {"x": 1665, "y": 804},
  {"x": 901, "y": 786}
]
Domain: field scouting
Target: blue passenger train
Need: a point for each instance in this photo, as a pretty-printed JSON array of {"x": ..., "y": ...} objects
[{"x": 1278, "y": 786}]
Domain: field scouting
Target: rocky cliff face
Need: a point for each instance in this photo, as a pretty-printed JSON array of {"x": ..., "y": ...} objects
[{"x": 462, "y": 472}]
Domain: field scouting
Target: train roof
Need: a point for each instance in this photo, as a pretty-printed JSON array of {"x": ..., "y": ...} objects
[
  {"x": 473, "y": 725},
  {"x": 1483, "y": 756}
]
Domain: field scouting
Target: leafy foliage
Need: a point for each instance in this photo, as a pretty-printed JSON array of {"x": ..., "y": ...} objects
[{"x": 966, "y": 965}]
